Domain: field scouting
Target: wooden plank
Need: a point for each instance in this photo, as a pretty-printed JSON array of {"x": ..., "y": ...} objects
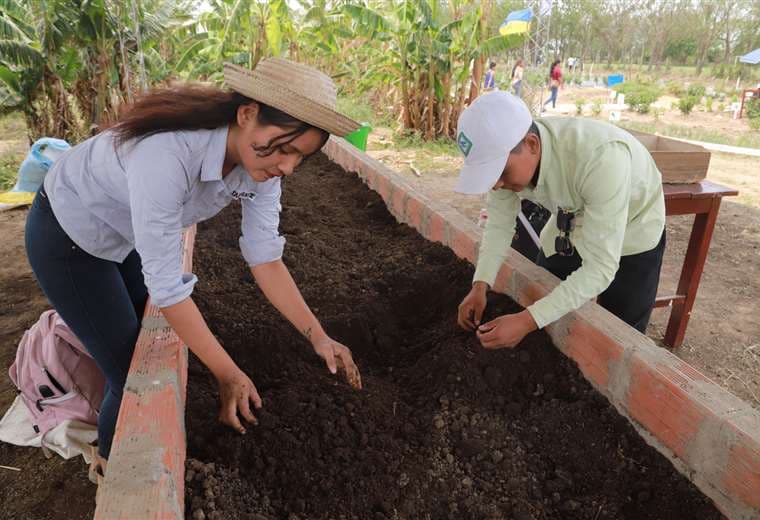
[
  {"x": 666, "y": 301},
  {"x": 678, "y": 162}
]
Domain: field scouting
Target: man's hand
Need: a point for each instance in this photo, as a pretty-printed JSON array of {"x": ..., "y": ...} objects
[
  {"x": 338, "y": 358},
  {"x": 506, "y": 331},
  {"x": 236, "y": 393},
  {"x": 472, "y": 307}
]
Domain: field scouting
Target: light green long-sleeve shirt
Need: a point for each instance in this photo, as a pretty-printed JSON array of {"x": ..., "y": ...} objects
[{"x": 609, "y": 180}]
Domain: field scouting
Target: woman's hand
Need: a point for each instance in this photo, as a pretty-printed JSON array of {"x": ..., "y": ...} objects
[
  {"x": 338, "y": 358},
  {"x": 236, "y": 393},
  {"x": 506, "y": 331}
]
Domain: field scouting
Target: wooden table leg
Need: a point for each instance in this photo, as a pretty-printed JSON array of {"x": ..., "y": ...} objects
[{"x": 691, "y": 272}]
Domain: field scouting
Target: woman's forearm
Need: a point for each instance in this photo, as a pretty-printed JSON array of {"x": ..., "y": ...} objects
[
  {"x": 188, "y": 323},
  {"x": 281, "y": 290}
]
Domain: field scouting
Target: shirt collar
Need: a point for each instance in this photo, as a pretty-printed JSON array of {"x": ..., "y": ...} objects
[
  {"x": 213, "y": 161},
  {"x": 547, "y": 157}
]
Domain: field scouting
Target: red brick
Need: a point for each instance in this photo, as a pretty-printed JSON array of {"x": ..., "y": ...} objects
[
  {"x": 662, "y": 406},
  {"x": 742, "y": 472},
  {"x": 397, "y": 203},
  {"x": 414, "y": 211},
  {"x": 436, "y": 228},
  {"x": 503, "y": 279},
  {"x": 463, "y": 245},
  {"x": 592, "y": 350}
]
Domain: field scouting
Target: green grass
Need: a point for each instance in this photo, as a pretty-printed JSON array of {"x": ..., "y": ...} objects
[
  {"x": 685, "y": 72},
  {"x": 12, "y": 128},
  {"x": 695, "y": 134},
  {"x": 361, "y": 111},
  {"x": 9, "y": 163},
  {"x": 440, "y": 146}
]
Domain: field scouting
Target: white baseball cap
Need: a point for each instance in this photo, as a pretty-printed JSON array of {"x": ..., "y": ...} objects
[{"x": 487, "y": 132}]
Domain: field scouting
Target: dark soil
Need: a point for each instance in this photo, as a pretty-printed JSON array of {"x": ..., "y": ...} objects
[{"x": 442, "y": 429}]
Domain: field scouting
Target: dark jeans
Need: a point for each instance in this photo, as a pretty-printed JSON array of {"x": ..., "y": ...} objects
[
  {"x": 632, "y": 293},
  {"x": 553, "y": 98},
  {"x": 101, "y": 301},
  {"x": 517, "y": 87}
]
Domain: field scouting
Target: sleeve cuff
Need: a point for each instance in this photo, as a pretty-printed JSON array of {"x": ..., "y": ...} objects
[
  {"x": 166, "y": 297},
  {"x": 487, "y": 270},
  {"x": 542, "y": 313},
  {"x": 261, "y": 252}
]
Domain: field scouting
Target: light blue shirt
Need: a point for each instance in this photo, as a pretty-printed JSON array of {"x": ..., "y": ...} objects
[{"x": 142, "y": 195}]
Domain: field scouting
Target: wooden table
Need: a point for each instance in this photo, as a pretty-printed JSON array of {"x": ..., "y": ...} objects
[
  {"x": 702, "y": 200},
  {"x": 754, "y": 93}
]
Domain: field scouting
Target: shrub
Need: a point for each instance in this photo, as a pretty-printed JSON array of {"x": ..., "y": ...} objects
[
  {"x": 752, "y": 109},
  {"x": 721, "y": 107},
  {"x": 696, "y": 91},
  {"x": 596, "y": 108},
  {"x": 579, "y": 106},
  {"x": 686, "y": 104},
  {"x": 675, "y": 88},
  {"x": 639, "y": 95},
  {"x": 708, "y": 104}
]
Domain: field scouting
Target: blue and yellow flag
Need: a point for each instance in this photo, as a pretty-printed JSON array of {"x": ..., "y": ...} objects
[{"x": 517, "y": 22}]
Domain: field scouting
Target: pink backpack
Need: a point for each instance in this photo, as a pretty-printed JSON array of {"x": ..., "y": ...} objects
[{"x": 55, "y": 375}]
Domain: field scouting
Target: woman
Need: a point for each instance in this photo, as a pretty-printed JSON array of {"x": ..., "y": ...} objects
[
  {"x": 489, "y": 83},
  {"x": 555, "y": 81},
  {"x": 105, "y": 229},
  {"x": 517, "y": 76}
]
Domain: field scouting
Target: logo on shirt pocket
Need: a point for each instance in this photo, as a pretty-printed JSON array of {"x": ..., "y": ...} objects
[{"x": 243, "y": 195}]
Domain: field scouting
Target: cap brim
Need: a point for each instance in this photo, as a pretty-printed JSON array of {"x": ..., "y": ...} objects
[{"x": 475, "y": 179}]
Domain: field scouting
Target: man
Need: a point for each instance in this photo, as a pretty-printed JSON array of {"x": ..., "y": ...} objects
[{"x": 606, "y": 235}]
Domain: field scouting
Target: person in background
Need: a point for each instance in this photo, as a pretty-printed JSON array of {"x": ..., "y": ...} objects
[
  {"x": 105, "y": 229},
  {"x": 517, "y": 76},
  {"x": 490, "y": 80},
  {"x": 555, "y": 81}
]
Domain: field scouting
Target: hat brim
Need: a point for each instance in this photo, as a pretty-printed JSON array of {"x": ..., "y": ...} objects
[
  {"x": 479, "y": 178},
  {"x": 276, "y": 94}
]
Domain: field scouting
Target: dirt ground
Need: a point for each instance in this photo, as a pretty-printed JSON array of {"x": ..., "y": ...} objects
[
  {"x": 442, "y": 429},
  {"x": 723, "y": 336},
  {"x": 699, "y": 121},
  {"x": 44, "y": 489}
]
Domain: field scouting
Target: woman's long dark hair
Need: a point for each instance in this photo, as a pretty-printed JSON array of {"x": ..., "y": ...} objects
[
  {"x": 518, "y": 63},
  {"x": 551, "y": 69},
  {"x": 194, "y": 107}
]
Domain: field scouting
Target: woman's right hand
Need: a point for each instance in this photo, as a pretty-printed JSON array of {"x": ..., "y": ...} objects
[
  {"x": 472, "y": 307},
  {"x": 236, "y": 393}
]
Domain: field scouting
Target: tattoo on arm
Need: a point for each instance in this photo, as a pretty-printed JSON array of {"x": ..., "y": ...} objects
[{"x": 307, "y": 333}]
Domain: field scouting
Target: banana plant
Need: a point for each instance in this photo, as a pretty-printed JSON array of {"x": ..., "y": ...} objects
[
  {"x": 433, "y": 50},
  {"x": 241, "y": 31}
]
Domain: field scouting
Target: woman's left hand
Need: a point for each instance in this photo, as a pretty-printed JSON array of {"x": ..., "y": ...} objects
[
  {"x": 506, "y": 331},
  {"x": 338, "y": 358}
]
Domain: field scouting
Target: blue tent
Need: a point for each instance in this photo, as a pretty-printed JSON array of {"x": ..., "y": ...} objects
[{"x": 753, "y": 58}]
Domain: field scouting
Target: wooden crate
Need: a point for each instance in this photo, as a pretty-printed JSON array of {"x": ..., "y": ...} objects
[{"x": 679, "y": 162}]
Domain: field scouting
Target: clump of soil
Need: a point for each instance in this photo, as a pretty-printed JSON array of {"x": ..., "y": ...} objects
[{"x": 442, "y": 429}]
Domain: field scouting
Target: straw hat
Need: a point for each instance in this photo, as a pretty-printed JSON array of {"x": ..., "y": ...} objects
[{"x": 298, "y": 90}]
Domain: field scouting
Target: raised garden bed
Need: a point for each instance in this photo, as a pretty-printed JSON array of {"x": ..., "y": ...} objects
[{"x": 443, "y": 429}]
